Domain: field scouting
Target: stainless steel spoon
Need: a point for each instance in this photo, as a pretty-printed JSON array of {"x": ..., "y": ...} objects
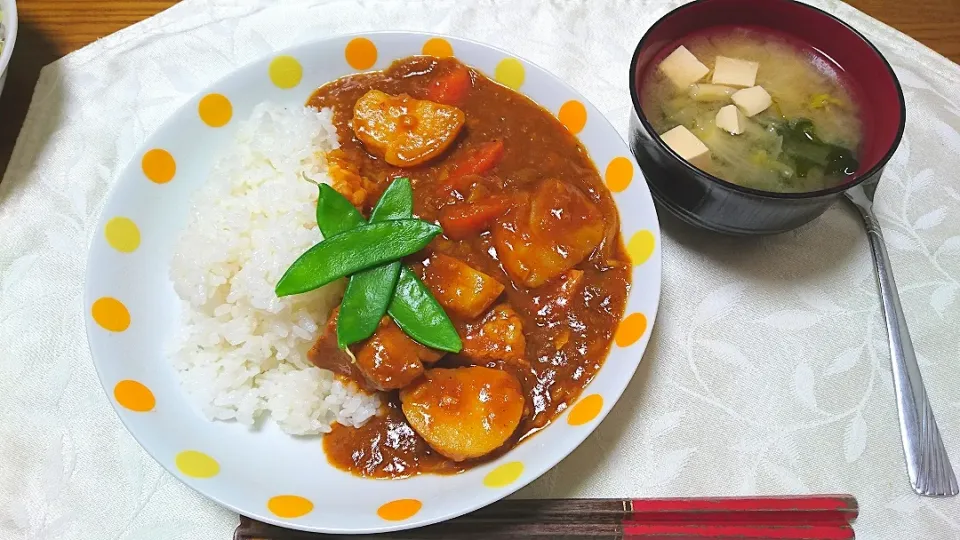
[{"x": 927, "y": 462}]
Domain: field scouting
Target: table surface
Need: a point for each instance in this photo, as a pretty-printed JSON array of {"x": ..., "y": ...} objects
[{"x": 50, "y": 29}]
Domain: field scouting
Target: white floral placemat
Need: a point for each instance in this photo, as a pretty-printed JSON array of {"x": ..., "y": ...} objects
[{"x": 768, "y": 372}]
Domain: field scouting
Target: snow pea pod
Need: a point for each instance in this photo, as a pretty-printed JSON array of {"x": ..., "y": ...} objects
[
  {"x": 351, "y": 251},
  {"x": 335, "y": 214},
  {"x": 369, "y": 292},
  {"x": 418, "y": 314}
]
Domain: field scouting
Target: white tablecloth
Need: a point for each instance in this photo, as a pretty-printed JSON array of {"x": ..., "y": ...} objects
[{"x": 768, "y": 372}]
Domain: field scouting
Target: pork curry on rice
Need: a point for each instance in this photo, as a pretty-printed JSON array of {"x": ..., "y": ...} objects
[{"x": 531, "y": 268}]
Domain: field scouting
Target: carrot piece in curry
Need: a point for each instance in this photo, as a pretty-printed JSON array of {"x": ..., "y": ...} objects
[
  {"x": 450, "y": 87},
  {"x": 479, "y": 160},
  {"x": 462, "y": 220}
]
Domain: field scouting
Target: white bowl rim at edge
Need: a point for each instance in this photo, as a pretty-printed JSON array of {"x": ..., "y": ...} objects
[
  {"x": 542, "y": 466},
  {"x": 10, "y": 21}
]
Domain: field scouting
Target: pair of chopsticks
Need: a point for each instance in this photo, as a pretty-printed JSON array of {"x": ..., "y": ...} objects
[{"x": 819, "y": 517}]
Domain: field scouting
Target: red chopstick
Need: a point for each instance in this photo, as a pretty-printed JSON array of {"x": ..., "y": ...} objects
[
  {"x": 671, "y": 531},
  {"x": 821, "y": 517}
]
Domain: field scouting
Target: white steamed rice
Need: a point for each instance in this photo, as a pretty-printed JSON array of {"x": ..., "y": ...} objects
[{"x": 242, "y": 352}]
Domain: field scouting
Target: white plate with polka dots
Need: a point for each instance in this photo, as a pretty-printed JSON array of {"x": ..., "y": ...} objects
[{"x": 132, "y": 311}]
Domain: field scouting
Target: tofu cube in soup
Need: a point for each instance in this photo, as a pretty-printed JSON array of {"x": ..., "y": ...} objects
[
  {"x": 682, "y": 141},
  {"x": 464, "y": 413},
  {"x": 390, "y": 359},
  {"x": 499, "y": 336},
  {"x": 735, "y": 72},
  {"x": 458, "y": 287},
  {"x": 752, "y": 101},
  {"x": 730, "y": 119},
  {"x": 556, "y": 230},
  {"x": 404, "y": 131},
  {"x": 683, "y": 68}
]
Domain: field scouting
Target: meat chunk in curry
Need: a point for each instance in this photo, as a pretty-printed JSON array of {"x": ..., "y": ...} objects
[
  {"x": 498, "y": 336},
  {"x": 528, "y": 267},
  {"x": 390, "y": 360}
]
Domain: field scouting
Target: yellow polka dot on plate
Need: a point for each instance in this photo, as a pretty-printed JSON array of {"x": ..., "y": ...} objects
[
  {"x": 585, "y": 410},
  {"x": 110, "y": 314},
  {"x": 503, "y": 475},
  {"x": 122, "y": 234},
  {"x": 573, "y": 115},
  {"x": 640, "y": 247},
  {"x": 285, "y": 72},
  {"x": 159, "y": 166},
  {"x": 215, "y": 110},
  {"x": 289, "y": 506},
  {"x": 509, "y": 72},
  {"x": 134, "y": 395},
  {"x": 619, "y": 174},
  {"x": 197, "y": 464},
  {"x": 437, "y": 47},
  {"x": 631, "y": 329},
  {"x": 361, "y": 53},
  {"x": 399, "y": 509}
]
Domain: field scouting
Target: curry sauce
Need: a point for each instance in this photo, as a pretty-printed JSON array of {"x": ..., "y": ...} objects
[{"x": 549, "y": 322}]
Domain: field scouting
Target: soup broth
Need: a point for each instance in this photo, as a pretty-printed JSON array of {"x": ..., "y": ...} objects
[{"x": 805, "y": 140}]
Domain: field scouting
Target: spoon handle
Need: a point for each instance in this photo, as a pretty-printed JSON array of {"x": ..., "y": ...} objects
[{"x": 927, "y": 461}]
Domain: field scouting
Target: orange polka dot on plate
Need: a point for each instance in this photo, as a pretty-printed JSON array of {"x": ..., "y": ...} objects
[
  {"x": 215, "y": 110},
  {"x": 134, "y": 395},
  {"x": 122, "y": 234},
  {"x": 361, "y": 53},
  {"x": 159, "y": 166},
  {"x": 437, "y": 47},
  {"x": 631, "y": 329},
  {"x": 619, "y": 174},
  {"x": 110, "y": 314},
  {"x": 503, "y": 475},
  {"x": 509, "y": 72},
  {"x": 399, "y": 509},
  {"x": 640, "y": 247},
  {"x": 197, "y": 464},
  {"x": 285, "y": 72},
  {"x": 289, "y": 506},
  {"x": 585, "y": 410},
  {"x": 573, "y": 116}
]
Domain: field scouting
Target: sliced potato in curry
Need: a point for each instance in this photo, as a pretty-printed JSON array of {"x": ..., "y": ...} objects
[
  {"x": 461, "y": 289},
  {"x": 557, "y": 230},
  {"x": 464, "y": 413},
  {"x": 402, "y": 130}
]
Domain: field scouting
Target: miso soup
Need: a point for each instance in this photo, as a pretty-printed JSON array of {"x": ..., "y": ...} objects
[{"x": 763, "y": 112}]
